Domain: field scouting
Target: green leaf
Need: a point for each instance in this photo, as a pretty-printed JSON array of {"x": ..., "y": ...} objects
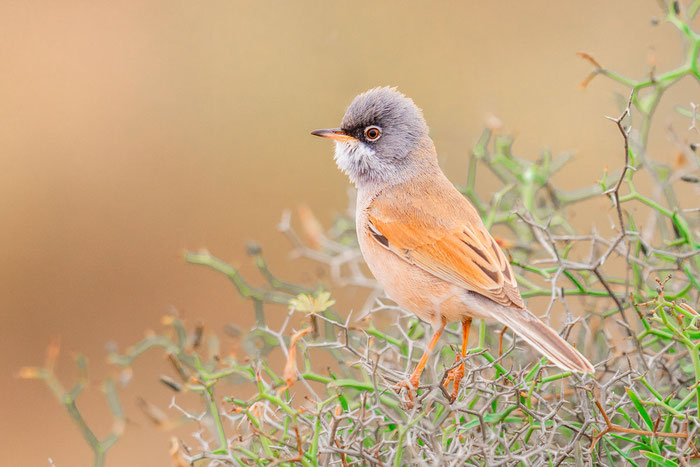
[
  {"x": 659, "y": 459},
  {"x": 576, "y": 283},
  {"x": 640, "y": 408},
  {"x": 343, "y": 402},
  {"x": 683, "y": 228},
  {"x": 415, "y": 329},
  {"x": 684, "y": 112},
  {"x": 629, "y": 440}
]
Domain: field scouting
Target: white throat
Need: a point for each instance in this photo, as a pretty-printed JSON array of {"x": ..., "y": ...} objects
[{"x": 358, "y": 161}]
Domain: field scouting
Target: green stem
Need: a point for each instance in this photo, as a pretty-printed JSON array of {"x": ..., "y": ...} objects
[
  {"x": 695, "y": 358},
  {"x": 214, "y": 411}
]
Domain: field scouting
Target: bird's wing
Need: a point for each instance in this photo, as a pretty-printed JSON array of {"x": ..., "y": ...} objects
[{"x": 448, "y": 240}]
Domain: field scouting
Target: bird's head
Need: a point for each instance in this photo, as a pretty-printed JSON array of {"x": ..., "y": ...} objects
[{"x": 378, "y": 139}]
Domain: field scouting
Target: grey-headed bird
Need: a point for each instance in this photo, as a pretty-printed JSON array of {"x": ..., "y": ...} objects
[{"x": 423, "y": 241}]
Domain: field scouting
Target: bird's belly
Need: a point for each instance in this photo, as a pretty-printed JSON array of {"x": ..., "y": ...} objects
[{"x": 413, "y": 289}]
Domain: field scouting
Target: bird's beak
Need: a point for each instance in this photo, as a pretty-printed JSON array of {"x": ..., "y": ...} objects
[{"x": 334, "y": 133}]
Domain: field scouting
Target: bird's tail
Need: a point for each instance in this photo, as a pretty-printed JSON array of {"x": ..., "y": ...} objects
[{"x": 544, "y": 339}]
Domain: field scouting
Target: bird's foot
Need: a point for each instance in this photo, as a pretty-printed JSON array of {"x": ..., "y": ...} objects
[
  {"x": 454, "y": 375},
  {"x": 411, "y": 385}
]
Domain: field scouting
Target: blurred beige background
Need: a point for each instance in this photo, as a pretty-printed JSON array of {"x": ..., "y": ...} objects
[{"x": 132, "y": 130}]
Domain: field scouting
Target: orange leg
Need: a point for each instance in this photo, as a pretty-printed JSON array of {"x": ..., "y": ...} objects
[
  {"x": 456, "y": 374},
  {"x": 500, "y": 340},
  {"x": 412, "y": 382}
]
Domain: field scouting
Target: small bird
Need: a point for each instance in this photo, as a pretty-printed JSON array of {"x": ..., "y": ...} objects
[{"x": 423, "y": 241}]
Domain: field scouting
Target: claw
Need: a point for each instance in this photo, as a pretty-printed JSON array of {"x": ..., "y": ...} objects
[
  {"x": 454, "y": 375},
  {"x": 410, "y": 386}
]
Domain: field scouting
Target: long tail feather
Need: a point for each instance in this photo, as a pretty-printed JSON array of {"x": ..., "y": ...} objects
[{"x": 544, "y": 339}]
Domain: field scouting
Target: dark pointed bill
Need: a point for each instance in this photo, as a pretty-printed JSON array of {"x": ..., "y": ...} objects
[{"x": 333, "y": 133}]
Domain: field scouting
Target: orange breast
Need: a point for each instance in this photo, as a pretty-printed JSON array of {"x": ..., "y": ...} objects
[{"x": 413, "y": 289}]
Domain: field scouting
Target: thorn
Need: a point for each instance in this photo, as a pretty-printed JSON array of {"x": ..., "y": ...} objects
[{"x": 589, "y": 58}]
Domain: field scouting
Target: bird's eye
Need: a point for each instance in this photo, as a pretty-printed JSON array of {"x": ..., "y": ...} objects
[{"x": 372, "y": 133}]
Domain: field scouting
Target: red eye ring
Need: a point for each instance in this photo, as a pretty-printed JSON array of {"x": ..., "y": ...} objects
[{"x": 372, "y": 133}]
